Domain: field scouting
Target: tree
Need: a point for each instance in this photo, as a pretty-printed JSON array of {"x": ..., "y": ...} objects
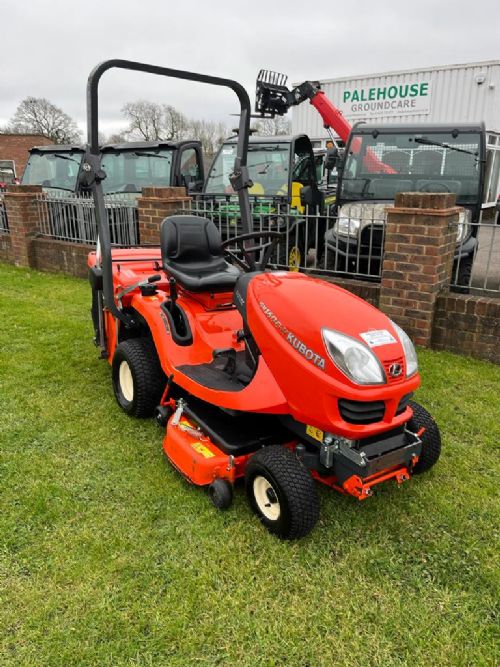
[
  {"x": 115, "y": 138},
  {"x": 210, "y": 133},
  {"x": 36, "y": 115},
  {"x": 154, "y": 122},
  {"x": 271, "y": 127}
]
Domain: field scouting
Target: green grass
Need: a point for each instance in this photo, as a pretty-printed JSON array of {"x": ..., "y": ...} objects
[{"x": 109, "y": 558}]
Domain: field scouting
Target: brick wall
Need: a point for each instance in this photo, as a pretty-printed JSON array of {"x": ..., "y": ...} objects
[
  {"x": 420, "y": 238},
  {"x": 16, "y": 147},
  {"x": 154, "y": 205},
  {"x": 368, "y": 291},
  {"x": 5, "y": 248},
  {"x": 61, "y": 256},
  {"x": 467, "y": 325}
]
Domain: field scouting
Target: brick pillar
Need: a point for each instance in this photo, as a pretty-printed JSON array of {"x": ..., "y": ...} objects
[
  {"x": 22, "y": 214},
  {"x": 420, "y": 240},
  {"x": 154, "y": 205}
]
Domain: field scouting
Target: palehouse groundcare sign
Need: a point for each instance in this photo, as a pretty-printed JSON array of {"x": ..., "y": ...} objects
[{"x": 387, "y": 100}]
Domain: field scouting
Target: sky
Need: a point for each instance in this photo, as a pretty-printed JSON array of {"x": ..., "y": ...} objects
[{"x": 50, "y": 46}]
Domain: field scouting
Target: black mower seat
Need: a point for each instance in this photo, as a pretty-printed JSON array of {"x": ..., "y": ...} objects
[{"x": 191, "y": 253}]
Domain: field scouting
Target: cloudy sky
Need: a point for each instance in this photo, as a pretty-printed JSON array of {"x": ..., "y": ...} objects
[{"x": 49, "y": 46}]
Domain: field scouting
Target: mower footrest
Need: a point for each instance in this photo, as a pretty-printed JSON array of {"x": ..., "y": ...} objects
[{"x": 235, "y": 433}]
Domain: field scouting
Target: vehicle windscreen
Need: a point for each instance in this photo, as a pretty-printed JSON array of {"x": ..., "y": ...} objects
[
  {"x": 53, "y": 170},
  {"x": 132, "y": 170},
  {"x": 432, "y": 162},
  {"x": 268, "y": 165},
  {"x": 7, "y": 175}
]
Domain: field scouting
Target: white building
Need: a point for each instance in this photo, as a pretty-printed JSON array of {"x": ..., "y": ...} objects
[{"x": 442, "y": 94}]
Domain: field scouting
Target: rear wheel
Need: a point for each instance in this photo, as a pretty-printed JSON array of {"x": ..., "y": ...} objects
[
  {"x": 431, "y": 438},
  {"x": 138, "y": 379},
  {"x": 282, "y": 493}
]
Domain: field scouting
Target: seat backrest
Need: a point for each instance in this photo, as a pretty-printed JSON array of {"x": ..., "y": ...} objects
[{"x": 189, "y": 238}]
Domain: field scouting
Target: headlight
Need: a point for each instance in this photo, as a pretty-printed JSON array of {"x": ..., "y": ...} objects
[
  {"x": 354, "y": 215},
  {"x": 409, "y": 348},
  {"x": 353, "y": 358},
  {"x": 463, "y": 229},
  {"x": 278, "y": 221},
  {"x": 347, "y": 226}
]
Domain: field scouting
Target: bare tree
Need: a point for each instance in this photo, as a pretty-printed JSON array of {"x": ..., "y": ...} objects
[
  {"x": 210, "y": 133},
  {"x": 154, "y": 122},
  {"x": 115, "y": 138},
  {"x": 36, "y": 115},
  {"x": 271, "y": 127}
]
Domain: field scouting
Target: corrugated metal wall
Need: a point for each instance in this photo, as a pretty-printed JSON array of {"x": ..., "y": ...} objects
[{"x": 455, "y": 95}]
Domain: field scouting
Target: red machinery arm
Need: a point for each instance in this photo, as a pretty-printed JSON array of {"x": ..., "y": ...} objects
[
  {"x": 273, "y": 97},
  {"x": 331, "y": 116},
  {"x": 334, "y": 118}
]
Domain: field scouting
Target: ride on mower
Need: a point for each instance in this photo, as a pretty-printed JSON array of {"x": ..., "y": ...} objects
[{"x": 271, "y": 376}]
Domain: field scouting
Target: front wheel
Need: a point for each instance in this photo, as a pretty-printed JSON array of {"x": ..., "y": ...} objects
[
  {"x": 138, "y": 379},
  {"x": 281, "y": 492},
  {"x": 462, "y": 275},
  {"x": 431, "y": 438}
]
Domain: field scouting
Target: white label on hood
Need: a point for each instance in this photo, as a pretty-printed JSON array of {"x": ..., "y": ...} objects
[{"x": 376, "y": 338}]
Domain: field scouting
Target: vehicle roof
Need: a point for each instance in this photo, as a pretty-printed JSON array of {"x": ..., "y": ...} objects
[
  {"x": 387, "y": 128},
  {"x": 130, "y": 145},
  {"x": 57, "y": 148},
  {"x": 134, "y": 145},
  {"x": 278, "y": 139}
]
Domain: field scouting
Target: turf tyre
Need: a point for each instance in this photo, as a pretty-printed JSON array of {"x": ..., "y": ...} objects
[
  {"x": 431, "y": 438},
  {"x": 138, "y": 379},
  {"x": 293, "y": 487},
  {"x": 220, "y": 493}
]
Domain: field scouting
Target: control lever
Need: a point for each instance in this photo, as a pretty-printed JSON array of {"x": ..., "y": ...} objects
[{"x": 141, "y": 283}]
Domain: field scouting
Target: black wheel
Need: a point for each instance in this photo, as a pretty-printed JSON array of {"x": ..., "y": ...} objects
[
  {"x": 221, "y": 493},
  {"x": 162, "y": 414},
  {"x": 463, "y": 275},
  {"x": 281, "y": 492},
  {"x": 138, "y": 380},
  {"x": 431, "y": 438}
]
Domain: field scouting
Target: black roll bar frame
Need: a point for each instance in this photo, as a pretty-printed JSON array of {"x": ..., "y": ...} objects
[{"x": 94, "y": 174}]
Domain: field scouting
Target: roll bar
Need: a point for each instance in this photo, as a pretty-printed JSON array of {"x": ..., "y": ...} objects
[{"x": 94, "y": 175}]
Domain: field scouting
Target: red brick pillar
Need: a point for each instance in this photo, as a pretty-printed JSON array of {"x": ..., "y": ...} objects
[
  {"x": 420, "y": 240},
  {"x": 22, "y": 213},
  {"x": 154, "y": 205}
]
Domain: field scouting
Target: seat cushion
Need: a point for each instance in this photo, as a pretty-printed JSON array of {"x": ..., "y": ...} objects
[{"x": 191, "y": 253}]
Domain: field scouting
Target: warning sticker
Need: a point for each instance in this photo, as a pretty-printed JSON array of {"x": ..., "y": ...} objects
[
  {"x": 315, "y": 433},
  {"x": 377, "y": 338},
  {"x": 202, "y": 449}
]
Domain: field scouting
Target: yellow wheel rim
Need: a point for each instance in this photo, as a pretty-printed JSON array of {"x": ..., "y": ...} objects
[{"x": 294, "y": 259}]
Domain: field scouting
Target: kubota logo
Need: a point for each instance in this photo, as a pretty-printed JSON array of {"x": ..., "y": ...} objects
[{"x": 292, "y": 339}]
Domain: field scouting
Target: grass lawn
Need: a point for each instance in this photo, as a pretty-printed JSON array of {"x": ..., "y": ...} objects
[{"x": 109, "y": 558}]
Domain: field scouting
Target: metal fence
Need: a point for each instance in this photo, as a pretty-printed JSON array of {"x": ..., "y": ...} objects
[
  {"x": 4, "y": 225},
  {"x": 70, "y": 217},
  {"x": 312, "y": 241},
  {"x": 333, "y": 245},
  {"x": 476, "y": 269}
]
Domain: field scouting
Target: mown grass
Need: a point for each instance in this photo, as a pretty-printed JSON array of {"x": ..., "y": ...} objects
[{"x": 108, "y": 557}]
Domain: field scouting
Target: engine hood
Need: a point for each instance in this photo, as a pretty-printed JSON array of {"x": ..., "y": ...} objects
[
  {"x": 286, "y": 313},
  {"x": 299, "y": 307}
]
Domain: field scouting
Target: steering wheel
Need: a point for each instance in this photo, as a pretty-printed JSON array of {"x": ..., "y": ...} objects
[
  {"x": 435, "y": 187},
  {"x": 244, "y": 256}
]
